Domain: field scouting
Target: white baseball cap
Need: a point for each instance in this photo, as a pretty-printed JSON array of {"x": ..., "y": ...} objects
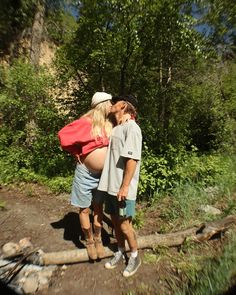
[{"x": 99, "y": 97}]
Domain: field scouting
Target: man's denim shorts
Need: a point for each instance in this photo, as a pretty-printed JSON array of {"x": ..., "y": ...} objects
[
  {"x": 84, "y": 187},
  {"x": 112, "y": 206}
]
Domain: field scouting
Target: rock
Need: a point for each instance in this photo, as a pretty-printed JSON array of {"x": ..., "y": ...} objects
[
  {"x": 210, "y": 209},
  {"x": 43, "y": 282},
  {"x": 49, "y": 270},
  {"x": 64, "y": 267},
  {"x": 30, "y": 285},
  {"x": 30, "y": 278},
  {"x": 25, "y": 244},
  {"x": 10, "y": 249},
  {"x": 212, "y": 191}
]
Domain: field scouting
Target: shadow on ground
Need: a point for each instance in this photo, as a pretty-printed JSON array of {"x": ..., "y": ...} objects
[
  {"x": 73, "y": 231},
  {"x": 6, "y": 290}
]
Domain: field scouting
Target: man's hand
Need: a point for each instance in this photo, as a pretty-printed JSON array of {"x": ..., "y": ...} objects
[{"x": 123, "y": 192}]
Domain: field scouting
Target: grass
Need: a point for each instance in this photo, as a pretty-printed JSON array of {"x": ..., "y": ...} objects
[
  {"x": 181, "y": 209},
  {"x": 151, "y": 258},
  {"x": 197, "y": 269},
  {"x": 216, "y": 274},
  {"x": 193, "y": 269}
]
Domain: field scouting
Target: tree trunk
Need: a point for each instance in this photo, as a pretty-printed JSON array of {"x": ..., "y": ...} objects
[{"x": 37, "y": 32}]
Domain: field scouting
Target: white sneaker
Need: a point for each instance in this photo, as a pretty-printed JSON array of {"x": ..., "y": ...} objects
[
  {"x": 118, "y": 256},
  {"x": 132, "y": 266}
]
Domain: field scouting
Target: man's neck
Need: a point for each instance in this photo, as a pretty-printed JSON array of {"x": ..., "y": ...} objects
[{"x": 124, "y": 118}]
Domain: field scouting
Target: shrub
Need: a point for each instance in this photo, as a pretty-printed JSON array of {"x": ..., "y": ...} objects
[
  {"x": 177, "y": 168},
  {"x": 30, "y": 121}
]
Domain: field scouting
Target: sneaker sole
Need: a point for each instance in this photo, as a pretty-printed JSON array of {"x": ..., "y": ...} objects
[
  {"x": 129, "y": 274},
  {"x": 110, "y": 266}
]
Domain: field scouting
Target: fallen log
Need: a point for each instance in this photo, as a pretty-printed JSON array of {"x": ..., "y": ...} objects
[{"x": 199, "y": 233}]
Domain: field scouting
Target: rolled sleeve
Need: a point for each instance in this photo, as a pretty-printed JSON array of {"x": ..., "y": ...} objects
[{"x": 133, "y": 145}]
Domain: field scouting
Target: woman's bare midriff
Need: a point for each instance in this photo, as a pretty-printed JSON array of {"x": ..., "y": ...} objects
[{"x": 94, "y": 161}]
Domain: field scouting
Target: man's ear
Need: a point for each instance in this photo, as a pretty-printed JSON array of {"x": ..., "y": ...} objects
[{"x": 124, "y": 106}]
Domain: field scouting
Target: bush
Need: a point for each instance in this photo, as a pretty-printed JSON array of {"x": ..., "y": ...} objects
[
  {"x": 178, "y": 168},
  {"x": 155, "y": 174},
  {"x": 30, "y": 122}
]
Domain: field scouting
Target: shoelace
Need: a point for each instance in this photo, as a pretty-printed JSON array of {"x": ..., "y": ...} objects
[
  {"x": 116, "y": 258},
  {"x": 131, "y": 264}
]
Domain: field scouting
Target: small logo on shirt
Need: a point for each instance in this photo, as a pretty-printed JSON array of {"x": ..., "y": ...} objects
[{"x": 130, "y": 153}]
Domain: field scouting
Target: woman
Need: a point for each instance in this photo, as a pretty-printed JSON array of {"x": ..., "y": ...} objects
[{"x": 87, "y": 139}]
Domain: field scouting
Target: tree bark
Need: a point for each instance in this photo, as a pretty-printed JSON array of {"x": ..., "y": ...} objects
[{"x": 37, "y": 32}]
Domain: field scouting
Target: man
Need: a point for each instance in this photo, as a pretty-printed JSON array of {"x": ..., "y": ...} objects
[{"x": 120, "y": 179}]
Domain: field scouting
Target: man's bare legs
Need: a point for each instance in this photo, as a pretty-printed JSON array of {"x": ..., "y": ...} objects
[{"x": 124, "y": 231}]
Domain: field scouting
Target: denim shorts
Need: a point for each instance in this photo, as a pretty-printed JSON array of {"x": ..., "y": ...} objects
[
  {"x": 84, "y": 187},
  {"x": 112, "y": 206}
]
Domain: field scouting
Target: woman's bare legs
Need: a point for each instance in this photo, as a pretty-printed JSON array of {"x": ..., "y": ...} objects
[
  {"x": 97, "y": 225},
  {"x": 87, "y": 230}
]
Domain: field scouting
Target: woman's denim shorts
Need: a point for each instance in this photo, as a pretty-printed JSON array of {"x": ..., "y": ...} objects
[{"x": 84, "y": 187}]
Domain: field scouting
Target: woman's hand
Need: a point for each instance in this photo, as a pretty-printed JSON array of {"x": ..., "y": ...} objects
[{"x": 77, "y": 157}]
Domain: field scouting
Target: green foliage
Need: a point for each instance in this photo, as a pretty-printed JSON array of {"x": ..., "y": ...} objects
[
  {"x": 151, "y": 258},
  {"x": 184, "y": 174},
  {"x": 60, "y": 184},
  {"x": 219, "y": 15},
  {"x": 154, "y": 51},
  {"x": 30, "y": 121},
  {"x": 155, "y": 174},
  {"x": 186, "y": 198},
  {"x": 139, "y": 219}
]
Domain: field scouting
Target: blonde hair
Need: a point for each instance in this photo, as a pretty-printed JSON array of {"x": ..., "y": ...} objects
[{"x": 101, "y": 125}]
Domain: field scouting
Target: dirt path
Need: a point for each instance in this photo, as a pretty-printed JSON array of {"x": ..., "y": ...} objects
[{"x": 53, "y": 225}]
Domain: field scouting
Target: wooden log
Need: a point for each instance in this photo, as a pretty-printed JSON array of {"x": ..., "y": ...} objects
[
  {"x": 197, "y": 233},
  {"x": 64, "y": 257}
]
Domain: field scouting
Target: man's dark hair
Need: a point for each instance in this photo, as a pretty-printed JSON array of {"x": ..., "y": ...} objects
[
  {"x": 130, "y": 109},
  {"x": 127, "y": 98}
]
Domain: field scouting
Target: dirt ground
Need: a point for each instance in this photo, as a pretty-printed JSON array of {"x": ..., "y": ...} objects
[{"x": 53, "y": 225}]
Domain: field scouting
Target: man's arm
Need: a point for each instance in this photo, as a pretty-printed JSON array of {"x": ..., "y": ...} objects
[{"x": 130, "y": 167}]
